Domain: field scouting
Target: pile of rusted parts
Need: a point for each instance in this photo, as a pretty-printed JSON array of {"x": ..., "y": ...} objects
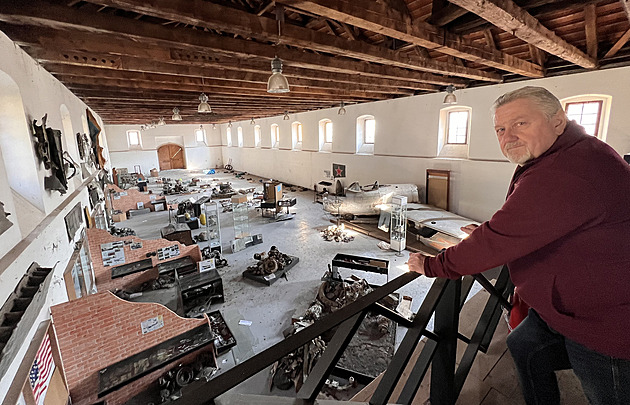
[
  {"x": 337, "y": 234},
  {"x": 170, "y": 186},
  {"x": 269, "y": 263},
  {"x": 208, "y": 253},
  {"x": 333, "y": 294},
  {"x": 171, "y": 382},
  {"x": 224, "y": 190}
]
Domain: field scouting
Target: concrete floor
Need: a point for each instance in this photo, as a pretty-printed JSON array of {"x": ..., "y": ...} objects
[{"x": 270, "y": 308}]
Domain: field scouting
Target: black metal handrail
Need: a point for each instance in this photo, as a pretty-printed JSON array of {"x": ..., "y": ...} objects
[{"x": 445, "y": 299}]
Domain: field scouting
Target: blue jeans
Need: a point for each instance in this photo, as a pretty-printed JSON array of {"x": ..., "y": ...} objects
[{"x": 538, "y": 351}]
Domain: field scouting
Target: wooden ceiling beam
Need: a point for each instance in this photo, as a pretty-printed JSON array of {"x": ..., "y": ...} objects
[
  {"x": 374, "y": 17},
  {"x": 209, "y": 15},
  {"x": 618, "y": 45},
  {"x": 226, "y": 78},
  {"x": 231, "y": 88},
  {"x": 590, "y": 30},
  {"x": 207, "y": 45},
  {"x": 508, "y": 16},
  {"x": 626, "y": 7}
]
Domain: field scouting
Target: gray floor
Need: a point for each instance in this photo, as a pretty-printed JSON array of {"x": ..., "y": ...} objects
[{"x": 270, "y": 308}]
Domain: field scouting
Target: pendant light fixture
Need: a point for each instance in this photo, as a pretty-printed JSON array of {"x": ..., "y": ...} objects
[
  {"x": 229, "y": 124},
  {"x": 176, "y": 116},
  {"x": 286, "y": 116},
  {"x": 450, "y": 95},
  {"x": 252, "y": 122},
  {"x": 277, "y": 83},
  {"x": 214, "y": 126},
  {"x": 204, "y": 107},
  {"x": 342, "y": 109},
  {"x": 161, "y": 121}
]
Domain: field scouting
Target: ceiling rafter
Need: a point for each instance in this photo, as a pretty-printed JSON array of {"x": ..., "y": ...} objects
[
  {"x": 262, "y": 28},
  {"x": 508, "y": 16},
  {"x": 373, "y": 17}
]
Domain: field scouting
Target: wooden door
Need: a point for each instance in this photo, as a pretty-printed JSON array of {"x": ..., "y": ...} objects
[{"x": 171, "y": 156}]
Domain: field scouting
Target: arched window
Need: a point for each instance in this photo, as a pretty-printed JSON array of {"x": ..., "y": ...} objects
[
  {"x": 229, "y": 136},
  {"x": 257, "y": 136},
  {"x": 296, "y": 135},
  {"x": 366, "y": 134},
  {"x": 591, "y": 111},
  {"x": 325, "y": 135},
  {"x": 239, "y": 135},
  {"x": 454, "y": 131},
  {"x": 275, "y": 136}
]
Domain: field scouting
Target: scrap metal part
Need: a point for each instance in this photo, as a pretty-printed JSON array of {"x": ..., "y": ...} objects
[
  {"x": 4, "y": 222},
  {"x": 270, "y": 262}
]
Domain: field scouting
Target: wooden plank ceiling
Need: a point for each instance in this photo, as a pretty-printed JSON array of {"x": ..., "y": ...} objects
[{"x": 133, "y": 61}]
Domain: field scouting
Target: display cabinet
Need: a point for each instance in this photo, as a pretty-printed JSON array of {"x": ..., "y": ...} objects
[
  {"x": 398, "y": 226},
  {"x": 213, "y": 226},
  {"x": 240, "y": 214}
]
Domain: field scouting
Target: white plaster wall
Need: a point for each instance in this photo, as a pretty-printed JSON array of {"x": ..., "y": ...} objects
[
  {"x": 407, "y": 137},
  {"x": 47, "y": 243},
  {"x": 198, "y": 155}
]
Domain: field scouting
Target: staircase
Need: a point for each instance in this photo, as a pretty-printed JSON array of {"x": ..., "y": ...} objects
[{"x": 13, "y": 309}]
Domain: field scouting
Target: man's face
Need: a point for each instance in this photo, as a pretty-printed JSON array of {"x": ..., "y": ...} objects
[{"x": 523, "y": 130}]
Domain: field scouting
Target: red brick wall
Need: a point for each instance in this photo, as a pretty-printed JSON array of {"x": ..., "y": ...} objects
[
  {"x": 129, "y": 201},
  {"x": 103, "y": 274},
  {"x": 102, "y": 329}
]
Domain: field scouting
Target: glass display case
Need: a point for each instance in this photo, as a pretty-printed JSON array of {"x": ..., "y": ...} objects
[
  {"x": 398, "y": 226},
  {"x": 240, "y": 214},
  {"x": 213, "y": 227}
]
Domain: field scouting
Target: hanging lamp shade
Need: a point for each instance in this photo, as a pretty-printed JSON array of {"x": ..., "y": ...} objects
[
  {"x": 203, "y": 107},
  {"x": 342, "y": 109},
  {"x": 286, "y": 116},
  {"x": 277, "y": 83},
  {"x": 176, "y": 116},
  {"x": 161, "y": 121},
  {"x": 450, "y": 95}
]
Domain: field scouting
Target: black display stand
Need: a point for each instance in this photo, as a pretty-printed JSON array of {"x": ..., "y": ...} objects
[
  {"x": 130, "y": 268},
  {"x": 198, "y": 288},
  {"x": 119, "y": 374},
  {"x": 269, "y": 279},
  {"x": 369, "y": 264},
  {"x": 185, "y": 265}
]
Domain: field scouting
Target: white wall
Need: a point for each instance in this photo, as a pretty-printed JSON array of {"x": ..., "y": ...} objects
[
  {"x": 39, "y": 230},
  {"x": 407, "y": 138},
  {"x": 198, "y": 155}
]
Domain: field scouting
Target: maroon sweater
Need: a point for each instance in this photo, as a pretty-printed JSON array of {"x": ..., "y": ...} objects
[{"x": 564, "y": 232}]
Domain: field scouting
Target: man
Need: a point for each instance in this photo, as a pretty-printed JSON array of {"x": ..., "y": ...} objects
[{"x": 564, "y": 232}]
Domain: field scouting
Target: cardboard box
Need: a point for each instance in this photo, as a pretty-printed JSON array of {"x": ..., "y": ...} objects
[
  {"x": 239, "y": 198},
  {"x": 119, "y": 217},
  {"x": 154, "y": 173}
]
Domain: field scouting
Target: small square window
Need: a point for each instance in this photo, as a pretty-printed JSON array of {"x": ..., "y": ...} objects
[
  {"x": 199, "y": 135},
  {"x": 133, "y": 138}
]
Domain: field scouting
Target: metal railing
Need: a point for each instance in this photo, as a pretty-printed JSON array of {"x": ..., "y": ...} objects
[{"x": 445, "y": 299}]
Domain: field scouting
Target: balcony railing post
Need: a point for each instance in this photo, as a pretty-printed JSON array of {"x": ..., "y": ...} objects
[{"x": 446, "y": 324}]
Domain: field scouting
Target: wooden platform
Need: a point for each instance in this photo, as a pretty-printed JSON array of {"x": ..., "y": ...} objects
[{"x": 492, "y": 379}]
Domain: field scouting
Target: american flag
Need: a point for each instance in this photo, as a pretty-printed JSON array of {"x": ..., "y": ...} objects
[{"x": 42, "y": 370}]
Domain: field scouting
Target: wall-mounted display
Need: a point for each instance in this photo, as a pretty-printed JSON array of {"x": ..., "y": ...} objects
[
  {"x": 4, "y": 222},
  {"x": 49, "y": 150},
  {"x": 113, "y": 253},
  {"x": 73, "y": 220},
  {"x": 168, "y": 252}
]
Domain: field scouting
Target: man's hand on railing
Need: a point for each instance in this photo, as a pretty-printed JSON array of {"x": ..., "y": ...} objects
[
  {"x": 416, "y": 262},
  {"x": 469, "y": 228}
]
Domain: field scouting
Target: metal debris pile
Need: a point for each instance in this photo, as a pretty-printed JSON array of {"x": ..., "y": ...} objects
[
  {"x": 219, "y": 260},
  {"x": 333, "y": 294},
  {"x": 120, "y": 232},
  {"x": 171, "y": 382},
  {"x": 269, "y": 262},
  {"x": 224, "y": 190},
  {"x": 170, "y": 186},
  {"x": 337, "y": 234}
]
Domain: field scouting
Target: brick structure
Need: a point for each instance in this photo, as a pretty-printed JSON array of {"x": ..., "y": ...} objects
[
  {"x": 101, "y": 329},
  {"x": 131, "y": 200},
  {"x": 103, "y": 275}
]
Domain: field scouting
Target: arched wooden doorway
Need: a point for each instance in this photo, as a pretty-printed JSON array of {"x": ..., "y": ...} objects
[{"x": 171, "y": 156}]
